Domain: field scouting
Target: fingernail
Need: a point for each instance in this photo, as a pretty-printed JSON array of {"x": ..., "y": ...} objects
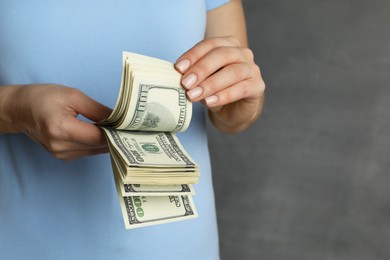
[
  {"x": 194, "y": 93},
  {"x": 189, "y": 80},
  {"x": 211, "y": 100},
  {"x": 183, "y": 65}
]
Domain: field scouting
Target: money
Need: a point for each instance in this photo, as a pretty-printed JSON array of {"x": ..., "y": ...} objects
[
  {"x": 151, "y": 97},
  {"x": 153, "y": 172},
  {"x": 151, "y": 158},
  {"x": 150, "y": 190},
  {"x": 142, "y": 211},
  {"x": 156, "y": 190}
]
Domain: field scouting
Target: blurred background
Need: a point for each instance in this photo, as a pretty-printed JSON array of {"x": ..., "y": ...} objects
[{"x": 311, "y": 179}]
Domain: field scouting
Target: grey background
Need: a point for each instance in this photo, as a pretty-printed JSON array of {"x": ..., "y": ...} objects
[{"x": 311, "y": 179}]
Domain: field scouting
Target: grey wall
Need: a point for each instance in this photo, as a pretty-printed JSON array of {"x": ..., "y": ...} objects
[{"x": 311, "y": 179}]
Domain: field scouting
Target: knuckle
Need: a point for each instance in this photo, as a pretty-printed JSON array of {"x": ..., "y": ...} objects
[
  {"x": 259, "y": 88},
  {"x": 245, "y": 90},
  {"x": 260, "y": 80},
  {"x": 214, "y": 42},
  {"x": 52, "y": 130},
  {"x": 226, "y": 52},
  {"x": 224, "y": 97},
  {"x": 73, "y": 93},
  {"x": 202, "y": 70},
  {"x": 242, "y": 90},
  {"x": 54, "y": 134},
  {"x": 255, "y": 71},
  {"x": 248, "y": 53},
  {"x": 262, "y": 86},
  {"x": 229, "y": 54},
  {"x": 53, "y": 147},
  {"x": 210, "y": 86},
  {"x": 242, "y": 72}
]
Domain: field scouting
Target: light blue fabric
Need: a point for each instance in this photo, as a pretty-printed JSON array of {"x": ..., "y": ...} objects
[
  {"x": 50, "y": 209},
  {"x": 215, "y": 3}
]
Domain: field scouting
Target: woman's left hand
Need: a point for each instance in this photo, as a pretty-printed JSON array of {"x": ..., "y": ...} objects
[{"x": 223, "y": 75}]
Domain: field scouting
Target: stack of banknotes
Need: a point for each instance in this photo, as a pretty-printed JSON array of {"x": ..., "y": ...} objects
[{"x": 152, "y": 171}]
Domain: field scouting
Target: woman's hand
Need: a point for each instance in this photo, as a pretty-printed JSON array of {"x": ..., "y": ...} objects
[
  {"x": 223, "y": 75},
  {"x": 47, "y": 114}
]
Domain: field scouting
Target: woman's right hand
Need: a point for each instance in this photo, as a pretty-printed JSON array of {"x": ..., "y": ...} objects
[{"x": 47, "y": 113}]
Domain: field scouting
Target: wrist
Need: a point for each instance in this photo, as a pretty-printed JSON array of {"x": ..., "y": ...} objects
[{"x": 8, "y": 110}]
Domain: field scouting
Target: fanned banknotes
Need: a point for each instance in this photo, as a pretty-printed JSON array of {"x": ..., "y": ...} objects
[
  {"x": 151, "y": 97},
  {"x": 153, "y": 172}
]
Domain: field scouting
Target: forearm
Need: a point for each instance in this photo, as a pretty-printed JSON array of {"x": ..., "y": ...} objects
[
  {"x": 8, "y": 94},
  {"x": 229, "y": 21}
]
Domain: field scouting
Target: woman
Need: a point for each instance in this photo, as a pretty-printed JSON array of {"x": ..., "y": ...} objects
[{"x": 61, "y": 59}]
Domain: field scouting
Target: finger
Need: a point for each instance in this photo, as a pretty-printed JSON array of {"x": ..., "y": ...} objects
[
  {"x": 81, "y": 132},
  {"x": 210, "y": 63},
  {"x": 61, "y": 146},
  {"x": 67, "y": 156},
  {"x": 222, "y": 79},
  {"x": 65, "y": 146},
  {"x": 88, "y": 107},
  {"x": 242, "y": 90},
  {"x": 201, "y": 48}
]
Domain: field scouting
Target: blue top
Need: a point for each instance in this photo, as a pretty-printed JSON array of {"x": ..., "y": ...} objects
[{"x": 50, "y": 209}]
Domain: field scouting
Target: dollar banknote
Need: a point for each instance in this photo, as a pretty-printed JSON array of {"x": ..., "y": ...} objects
[
  {"x": 152, "y": 170},
  {"x": 151, "y": 97},
  {"x": 151, "y": 158},
  {"x": 143, "y": 210},
  {"x": 150, "y": 190},
  {"x": 156, "y": 190}
]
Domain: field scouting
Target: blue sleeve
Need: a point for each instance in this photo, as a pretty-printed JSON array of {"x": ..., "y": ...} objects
[{"x": 211, "y": 4}]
